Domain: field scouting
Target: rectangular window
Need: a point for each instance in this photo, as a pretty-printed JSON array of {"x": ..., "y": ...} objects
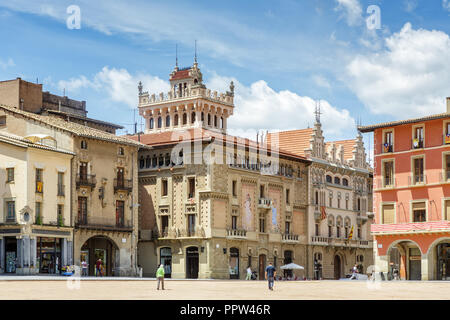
[
  {"x": 338, "y": 232},
  {"x": 120, "y": 213},
  {"x": 191, "y": 225},
  {"x": 262, "y": 224},
  {"x": 191, "y": 187},
  {"x": 10, "y": 211},
  {"x": 39, "y": 182},
  {"x": 38, "y": 210},
  {"x": 330, "y": 231},
  {"x": 261, "y": 191},
  {"x": 2, "y": 121},
  {"x": 388, "y": 177},
  {"x": 164, "y": 225},
  {"x": 419, "y": 212},
  {"x": 447, "y": 210},
  {"x": 317, "y": 230},
  {"x": 346, "y": 232},
  {"x": 287, "y": 228},
  {"x": 346, "y": 204},
  {"x": 82, "y": 210},
  {"x": 233, "y": 222},
  {"x": 120, "y": 177},
  {"x": 60, "y": 214},
  {"x": 359, "y": 233},
  {"x": 9, "y": 174},
  {"x": 388, "y": 142},
  {"x": 418, "y": 171},
  {"x": 339, "y": 203},
  {"x": 164, "y": 188},
  {"x": 61, "y": 184},
  {"x": 234, "y": 188},
  {"x": 331, "y": 202},
  {"x": 418, "y": 138},
  {"x": 447, "y": 167},
  {"x": 83, "y": 170},
  {"x": 316, "y": 198},
  {"x": 287, "y": 196},
  {"x": 387, "y": 213}
]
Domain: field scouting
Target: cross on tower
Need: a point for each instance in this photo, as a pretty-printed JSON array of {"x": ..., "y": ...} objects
[{"x": 317, "y": 111}]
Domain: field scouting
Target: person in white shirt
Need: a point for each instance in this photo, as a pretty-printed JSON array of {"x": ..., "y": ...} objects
[{"x": 249, "y": 273}]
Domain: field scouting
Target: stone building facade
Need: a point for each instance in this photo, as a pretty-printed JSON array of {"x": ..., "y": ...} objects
[
  {"x": 102, "y": 185},
  {"x": 339, "y": 201},
  {"x": 212, "y": 204}
]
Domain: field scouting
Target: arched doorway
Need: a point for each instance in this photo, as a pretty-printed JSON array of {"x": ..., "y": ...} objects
[
  {"x": 405, "y": 258},
  {"x": 100, "y": 247},
  {"x": 192, "y": 263},
  {"x": 443, "y": 261},
  {"x": 262, "y": 266},
  {"x": 165, "y": 257},
  {"x": 287, "y": 260},
  {"x": 234, "y": 263},
  {"x": 337, "y": 267}
]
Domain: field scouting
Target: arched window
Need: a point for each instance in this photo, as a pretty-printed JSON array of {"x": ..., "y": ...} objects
[
  {"x": 141, "y": 162},
  {"x": 203, "y": 116},
  {"x": 167, "y": 160},
  {"x": 345, "y": 182},
  {"x": 83, "y": 144},
  {"x": 154, "y": 161},
  {"x": 221, "y": 122},
  {"x": 184, "y": 118},
  {"x": 168, "y": 121},
  {"x": 121, "y": 152},
  {"x": 159, "y": 122},
  {"x": 161, "y": 160},
  {"x": 147, "y": 162},
  {"x": 195, "y": 81},
  {"x": 337, "y": 180},
  {"x": 151, "y": 123},
  {"x": 317, "y": 198},
  {"x": 215, "y": 121},
  {"x": 209, "y": 119},
  {"x": 359, "y": 204},
  {"x": 193, "y": 117},
  {"x": 175, "y": 122},
  {"x": 329, "y": 179}
]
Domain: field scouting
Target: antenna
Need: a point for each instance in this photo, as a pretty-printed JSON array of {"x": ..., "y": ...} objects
[
  {"x": 195, "y": 56},
  {"x": 317, "y": 111},
  {"x": 134, "y": 121},
  {"x": 176, "y": 54},
  {"x": 64, "y": 92}
]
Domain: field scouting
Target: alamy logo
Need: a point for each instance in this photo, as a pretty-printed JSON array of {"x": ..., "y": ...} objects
[{"x": 73, "y": 21}]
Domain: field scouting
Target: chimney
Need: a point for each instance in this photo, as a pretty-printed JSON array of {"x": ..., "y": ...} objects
[{"x": 448, "y": 104}]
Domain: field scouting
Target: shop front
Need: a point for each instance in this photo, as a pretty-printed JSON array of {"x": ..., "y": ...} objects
[
  {"x": 166, "y": 261},
  {"x": 443, "y": 261},
  {"x": 234, "y": 263},
  {"x": 101, "y": 256},
  {"x": 48, "y": 255}
]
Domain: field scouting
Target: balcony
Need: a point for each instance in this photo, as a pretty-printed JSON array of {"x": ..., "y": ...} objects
[
  {"x": 289, "y": 238},
  {"x": 417, "y": 143},
  {"x": 264, "y": 203},
  {"x": 237, "y": 233},
  {"x": 385, "y": 183},
  {"x": 103, "y": 224},
  {"x": 418, "y": 179},
  {"x": 387, "y": 148},
  {"x": 61, "y": 190},
  {"x": 123, "y": 185},
  {"x": 195, "y": 232},
  {"x": 320, "y": 240},
  {"x": 88, "y": 180}
]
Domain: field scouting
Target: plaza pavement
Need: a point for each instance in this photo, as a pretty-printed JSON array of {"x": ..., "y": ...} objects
[{"x": 40, "y": 288}]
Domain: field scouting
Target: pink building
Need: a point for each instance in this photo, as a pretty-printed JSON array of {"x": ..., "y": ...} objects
[{"x": 412, "y": 197}]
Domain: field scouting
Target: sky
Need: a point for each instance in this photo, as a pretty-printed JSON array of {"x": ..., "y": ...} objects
[{"x": 283, "y": 56}]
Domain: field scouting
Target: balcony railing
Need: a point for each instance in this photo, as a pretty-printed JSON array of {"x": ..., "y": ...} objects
[
  {"x": 417, "y": 179},
  {"x": 103, "y": 223},
  {"x": 264, "y": 203},
  {"x": 88, "y": 180},
  {"x": 417, "y": 143},
  {"x": 320, "y": 240},
  {"x": 385, "y": 182},
  {"x": 386, "y": 148},
  {"x": 289, "y": 237},
  {"x": 123, "y": 185},
  {"x": 237, "y": 233},
  {"x": 61, "y": 190}
]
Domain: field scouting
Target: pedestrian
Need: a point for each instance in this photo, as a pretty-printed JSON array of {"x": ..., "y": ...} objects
[
  {"x": 84, "y": 267},
  {"x": 98, "y": 266},
  {"x": 249, "y": 273},
  {"x": 160, "y": 276},
  {"x": 270, "y": 274},
  {"x": 354, "y": 272}
]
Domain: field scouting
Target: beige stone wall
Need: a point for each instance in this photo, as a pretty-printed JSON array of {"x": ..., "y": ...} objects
[{"x": 9, "y": 93}]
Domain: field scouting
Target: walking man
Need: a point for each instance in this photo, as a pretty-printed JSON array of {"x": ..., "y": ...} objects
[
  {"x": 354, "y": 272},
  {"x": 249, "y": 273},
  {"x": 98, "y": 266},
  {"x": 160, "y": 276},
  {"x": 270, "y": 274},
  {"x": 84, "y": 267}
]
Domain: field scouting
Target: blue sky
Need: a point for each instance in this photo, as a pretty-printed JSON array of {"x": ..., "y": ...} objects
[{"x": 282, "y": 55}]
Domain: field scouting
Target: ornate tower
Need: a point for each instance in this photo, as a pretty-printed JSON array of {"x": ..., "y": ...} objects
[{"x": 189, "y": 104}]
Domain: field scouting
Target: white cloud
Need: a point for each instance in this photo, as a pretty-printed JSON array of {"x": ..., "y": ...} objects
[
  {"x": 410, "y": 76},
  {"x": 321, "y": 81},
  {"x": 118, "y": 85},
  {"x": 6, "y": 64},
  {"x": 259, "y": 107},
  {"x": 411, "y": 5},
  {"x": 352, "y": 11},
  {"x": 446, "y": 4}
]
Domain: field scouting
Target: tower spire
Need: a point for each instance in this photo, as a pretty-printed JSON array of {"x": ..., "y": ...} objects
[
  {"x": 176, "y": 54},
  {"x": 317, "y": 111},
  {"x": 195, "y": 55}
]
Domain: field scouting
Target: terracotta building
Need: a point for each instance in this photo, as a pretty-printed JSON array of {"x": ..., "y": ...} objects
[
  {"x": 212, "y": 204},
  {"x": 339, "y": 201},
  {"x": 412, "y": 196}
]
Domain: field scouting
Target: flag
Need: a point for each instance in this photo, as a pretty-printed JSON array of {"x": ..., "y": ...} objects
[
  {"x": 350, "y": 236},
  {"x": 324, "y": 214}
]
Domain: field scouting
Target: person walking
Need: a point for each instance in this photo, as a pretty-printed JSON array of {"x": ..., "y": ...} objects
[
  {"x": 98, "y": 266},
  {"x": 84, "y": 267},
  {"x": 270, "y": 274},
  {"x": 354, "y": 272},
  {"x": 160, "y": 276},
  {"x": 249, "y": 273}
]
